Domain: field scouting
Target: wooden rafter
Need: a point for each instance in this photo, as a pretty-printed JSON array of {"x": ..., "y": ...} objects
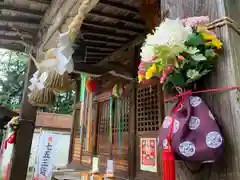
[
  {"x": 121, "y": 6},
  {"x": 97, "y": 53},
  {"x": 103, "y": 45},
  {"x": 12, "y": 7},
  {"x": 105, "y": 30},
  {"x": 121, "y": 50},
  {"x": 100, "y": 48},
  {"x": 88, "y": 41},
  {"x": 117, "y": 27},
  {"x": 109, "y": 37},
  {"x": 111, "y": 16},
  {"x": 90, "y": 36},
  {"x": 29, "y": 20}
]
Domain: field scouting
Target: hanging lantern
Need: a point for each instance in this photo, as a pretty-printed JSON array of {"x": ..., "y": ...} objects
[
  {"x": 42, "y": 98},
  {"x": 91, "y": 85},
  {"x": 118, "y": 90},
  {"x": 58, "y": 83}
]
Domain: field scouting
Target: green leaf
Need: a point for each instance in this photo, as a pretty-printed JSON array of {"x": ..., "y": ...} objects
[
  {"x": 192, "y": 73},
  {"x": 195, "y": 40},
  {"x": 199, "y": 57},
  {"x": 177, "y": 79},
  {"x": 209, "y": 53},
  {"x": 197, "y": 77},
  {"x": 192, "y": 50}
]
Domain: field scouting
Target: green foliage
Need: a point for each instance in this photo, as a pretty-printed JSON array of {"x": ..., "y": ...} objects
[{"x": 13, "y": 67}]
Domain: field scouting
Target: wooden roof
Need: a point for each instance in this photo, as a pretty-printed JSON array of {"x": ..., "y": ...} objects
[
  {"x": 108, "y": 30},
  {"x": 20, "y": 22},
  {"x": 109, "y": 26}
]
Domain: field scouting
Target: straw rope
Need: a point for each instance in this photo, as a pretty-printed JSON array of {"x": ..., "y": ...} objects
[{"x": 223, "y": 21}]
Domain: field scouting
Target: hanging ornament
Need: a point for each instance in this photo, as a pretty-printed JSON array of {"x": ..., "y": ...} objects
[
  {"x": 91, "y": 85},
  {"x": 40, "y": 95},
  {"x": 118, "y": 90},
  {"x": 59, "y": 83},
  {"x": 42, "y": 98}
]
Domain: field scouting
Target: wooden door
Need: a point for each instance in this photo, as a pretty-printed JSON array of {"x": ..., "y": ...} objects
[{"x": 119, "y": 154}]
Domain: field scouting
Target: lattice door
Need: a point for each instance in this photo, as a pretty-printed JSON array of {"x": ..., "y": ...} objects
[
  {"x": 148, "y": 118},
  {"x": 102, "y": 142},
  {"x": 148, "y": 121}
]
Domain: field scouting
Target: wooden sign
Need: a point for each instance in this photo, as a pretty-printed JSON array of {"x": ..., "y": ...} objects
[{"x": 148, "y": 153}]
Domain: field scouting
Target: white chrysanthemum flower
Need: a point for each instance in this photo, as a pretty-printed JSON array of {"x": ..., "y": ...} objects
[
  {"x": 147, "y": 52},
  {"x": 170, "y": 33}
]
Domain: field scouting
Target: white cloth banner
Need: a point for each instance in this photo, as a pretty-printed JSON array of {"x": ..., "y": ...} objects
[{"x": 45, "y": 156}]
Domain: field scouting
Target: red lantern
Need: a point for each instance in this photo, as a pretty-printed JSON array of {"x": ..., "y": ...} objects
[{"x": 91, "y": 85}]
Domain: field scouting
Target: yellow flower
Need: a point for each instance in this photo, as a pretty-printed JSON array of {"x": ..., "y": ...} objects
[
  {"x": 140, "y": 77},
  {"x": 201, "y": 28},
  {"x": 153, "y": 68},
  {"x": 207, "y": 36},
  {"x": 217, "y": 43},
  {"x": 149, "y": 74}
]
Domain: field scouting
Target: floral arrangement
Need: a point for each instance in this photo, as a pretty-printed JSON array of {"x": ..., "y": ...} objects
[{"x": 179, "y": 52}]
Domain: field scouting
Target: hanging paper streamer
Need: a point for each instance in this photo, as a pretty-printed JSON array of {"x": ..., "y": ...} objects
[
  {"x": 110, "y": 120},
  {"x": 89, "y": 105},
  {"x": 82, "y": 99}
]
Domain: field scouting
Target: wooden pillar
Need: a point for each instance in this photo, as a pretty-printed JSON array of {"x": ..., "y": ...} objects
[
  {"x": 75, "y": 121},
  {"x": 22, "y": 148},
  {"x": 132, "y": 162}
]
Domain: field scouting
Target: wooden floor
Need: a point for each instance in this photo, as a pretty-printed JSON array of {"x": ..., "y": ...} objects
[{"x": 66, "y": 175}]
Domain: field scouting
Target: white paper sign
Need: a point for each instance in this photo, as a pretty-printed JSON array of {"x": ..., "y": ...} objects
[
  {"x": 45, "y": 156},
  {"x": 95, "y": 164},
  {"x": 110, "y": 168}
]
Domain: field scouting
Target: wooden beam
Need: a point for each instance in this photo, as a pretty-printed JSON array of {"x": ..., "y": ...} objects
[
  {"x": 97, "y": 53},
  {"x": 115, "y": 27},
  {"x": 22, "y": 148},
  {"x": 94, "y": 49},
  {"x": 89, "y": 41},
  {"x": 104, "y": 47},
  {"x": 12, "y": 7},
  {"x": 139, "y": 39},
  {"x": 104, "y": 35},
  {"x": 29, "y": 20},
  {"x": 105, "y": 30},
  {"x": 120, "y": 6},
  {"x": 136, "y": 22},
  {"x": 90, "y": 36},
  {"x": 93, "y": 55}
]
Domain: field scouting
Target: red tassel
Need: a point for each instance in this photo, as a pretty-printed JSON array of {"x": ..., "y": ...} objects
[
  {"x": 168, "y": 158},
  {"x": 168, "y": 164}
]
